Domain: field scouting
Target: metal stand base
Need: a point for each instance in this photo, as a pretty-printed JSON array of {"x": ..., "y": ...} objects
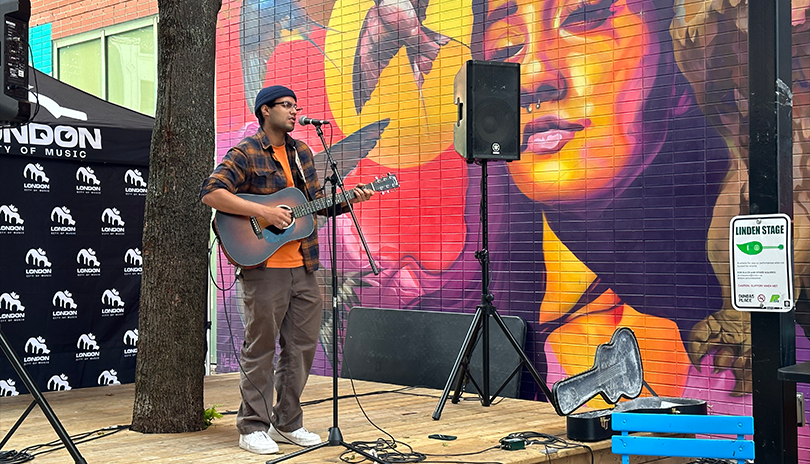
[
  {"x": 480, "y": 323},
  {"x": 335, "y": 439},
  {"x": 38, "y": 399}
]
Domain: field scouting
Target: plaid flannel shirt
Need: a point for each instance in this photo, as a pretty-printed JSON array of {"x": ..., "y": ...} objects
[{"x": 249, "y": 167}]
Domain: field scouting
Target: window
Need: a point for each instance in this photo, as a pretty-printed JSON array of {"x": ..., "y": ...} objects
[{"x": 118, "y": 63}]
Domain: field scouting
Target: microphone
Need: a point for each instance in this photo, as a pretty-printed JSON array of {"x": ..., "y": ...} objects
[{"x": 303, "y": 120}]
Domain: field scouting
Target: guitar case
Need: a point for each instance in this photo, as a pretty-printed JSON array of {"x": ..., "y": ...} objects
[
  {"x": 596, "y": 425},
  {"x": 616, "y": 373}
]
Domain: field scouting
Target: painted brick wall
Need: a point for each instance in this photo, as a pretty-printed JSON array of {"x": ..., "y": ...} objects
[
  {"x": 71, "y": 17},
  {"x": 39, "y": 37}
]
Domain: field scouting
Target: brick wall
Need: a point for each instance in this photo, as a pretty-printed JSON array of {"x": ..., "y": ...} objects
[
  {"x": 71, "y": 17},
  {"x": 40, "y": 39}
]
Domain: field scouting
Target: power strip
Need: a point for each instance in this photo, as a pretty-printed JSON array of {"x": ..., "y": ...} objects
[{"x": 512, "y": 444}]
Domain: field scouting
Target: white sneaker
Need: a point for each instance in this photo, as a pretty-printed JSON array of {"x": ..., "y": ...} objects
[
  {"x": 258, "y": 442},
  {"x": 300, "y": 437}
]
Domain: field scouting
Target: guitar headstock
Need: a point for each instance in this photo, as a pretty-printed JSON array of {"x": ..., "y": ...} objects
[{"x": 389, "y": 182}]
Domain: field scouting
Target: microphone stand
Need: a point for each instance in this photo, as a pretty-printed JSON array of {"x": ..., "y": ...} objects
[{"x": 335, "y": 436}]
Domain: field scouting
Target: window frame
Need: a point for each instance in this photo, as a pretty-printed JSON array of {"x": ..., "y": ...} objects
[{"x": 101, "y": 35}]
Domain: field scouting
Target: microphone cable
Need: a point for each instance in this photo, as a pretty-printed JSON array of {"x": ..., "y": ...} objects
[{"x": 236, "y": 352}]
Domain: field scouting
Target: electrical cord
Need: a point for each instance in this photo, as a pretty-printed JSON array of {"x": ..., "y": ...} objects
[
  {"x": 378, "y": 392},
  {"x": 383, "y": 449},
  {"x": 550, "y": 443},
  {"x": 233, "y": 343},
  {"x": 211, "y": 249},
  {"x": 28, "y": 454},
  {"x": 387, "y": 450},
  {"x": 233, "y": 340},
  {"x": 343, "y": 397},
  {"x": 14, "y": 457}
]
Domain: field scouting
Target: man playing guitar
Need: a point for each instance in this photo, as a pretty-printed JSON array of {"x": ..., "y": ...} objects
[{"x": 282, "y": 296}]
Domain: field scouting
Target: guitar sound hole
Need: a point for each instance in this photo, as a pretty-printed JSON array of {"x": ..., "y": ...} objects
[{"x": 279, "y": 231}]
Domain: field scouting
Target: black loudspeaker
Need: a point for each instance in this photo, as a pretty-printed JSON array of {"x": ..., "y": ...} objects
[
  {"x": 487, "y": 95},
  {"x": 14, "y": 104}
]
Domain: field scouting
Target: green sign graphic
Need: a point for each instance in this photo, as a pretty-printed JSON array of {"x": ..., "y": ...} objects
[{"x": 755, "y": 248}]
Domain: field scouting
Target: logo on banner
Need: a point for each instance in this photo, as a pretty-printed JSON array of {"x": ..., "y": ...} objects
[
  {"x": 88, "y": 263},
  {"x": 67, "y": 225},
  {"x": 114, "y": 305},
  {"x": 11, "y": 302},
  {"x": 13, "y": 223},
  {"x": 35, "y": 178},
  {"x": 88, "y": 348},
  {"x": 133, "y": 262},
  {"x": 58, "y": 141},
  {"x": 38, "y": 262},
  {"x": 136, "y": 183},
  {"x": 109, "y": 377},
  {"x": 87, "y": 182},
  {"x": 36, "y": 347},
  {"x": 66, "y": 306},
  {"x": 58, "y": 383},
  {"x": 114, "y": 223},
  {"x": 8, "y": 388},
  {"x": 131, "y": 339}
]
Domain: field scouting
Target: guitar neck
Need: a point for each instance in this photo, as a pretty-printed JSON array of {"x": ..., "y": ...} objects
[{"x": 322, "y": 203}]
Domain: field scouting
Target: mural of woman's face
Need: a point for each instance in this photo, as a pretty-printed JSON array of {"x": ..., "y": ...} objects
[{"x": 588, "y": 68}]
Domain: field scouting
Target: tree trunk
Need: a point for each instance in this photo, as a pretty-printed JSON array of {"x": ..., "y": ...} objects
[{"x": 171, "y": 342}]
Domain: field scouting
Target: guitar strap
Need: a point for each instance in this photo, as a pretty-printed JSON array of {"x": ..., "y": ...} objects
[{"x": 300, "y": 168}]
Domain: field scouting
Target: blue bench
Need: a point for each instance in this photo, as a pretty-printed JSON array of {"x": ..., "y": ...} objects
[{"x": 626, "y": 445}]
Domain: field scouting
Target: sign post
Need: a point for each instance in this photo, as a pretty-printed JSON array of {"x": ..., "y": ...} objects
[{"x": 761, "y": 253}]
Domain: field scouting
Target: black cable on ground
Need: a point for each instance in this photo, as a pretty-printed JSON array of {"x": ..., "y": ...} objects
[
  {"x": 28, "y": 454},
  {"x": 551, "y": 443},
  {"x": 14, "y": 457}
]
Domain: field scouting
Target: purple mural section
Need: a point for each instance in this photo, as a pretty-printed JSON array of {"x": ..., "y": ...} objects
[{"x": 633, "y": 136}]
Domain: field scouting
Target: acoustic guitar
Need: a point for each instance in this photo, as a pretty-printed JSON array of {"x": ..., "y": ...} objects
[{"x": 249, "y": 241}]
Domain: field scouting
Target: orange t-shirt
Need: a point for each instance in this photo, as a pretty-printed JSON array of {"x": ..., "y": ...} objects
[{"x": 288, "y": 255}]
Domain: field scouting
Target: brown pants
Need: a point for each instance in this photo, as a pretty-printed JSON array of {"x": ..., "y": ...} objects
[{"x": 284, "y": 304}]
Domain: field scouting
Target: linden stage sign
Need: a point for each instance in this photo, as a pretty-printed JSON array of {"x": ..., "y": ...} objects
[{"x": 761, "y": 253}]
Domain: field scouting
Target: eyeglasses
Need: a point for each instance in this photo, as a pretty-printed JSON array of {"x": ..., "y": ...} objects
[{"x": 288, "y": 106}]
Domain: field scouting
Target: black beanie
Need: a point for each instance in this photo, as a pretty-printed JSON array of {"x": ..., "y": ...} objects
[{"x": 268, "y": 95}]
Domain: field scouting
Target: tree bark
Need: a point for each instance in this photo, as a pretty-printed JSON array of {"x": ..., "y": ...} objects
[{"x": 171, "y": 342}]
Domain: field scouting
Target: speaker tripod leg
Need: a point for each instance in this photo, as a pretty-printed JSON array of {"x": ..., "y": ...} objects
[
  {"x": 523, "y": 358},
  {"x": 461, "y": 366},
  {"x": 39, "y": 399}
]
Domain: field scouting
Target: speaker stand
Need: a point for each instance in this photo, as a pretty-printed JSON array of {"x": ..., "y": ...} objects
[
  {"x": 480, "y": 323},
  {"x": 38, "y": 399}
]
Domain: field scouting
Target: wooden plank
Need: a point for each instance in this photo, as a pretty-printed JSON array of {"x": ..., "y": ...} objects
[
  {"x": 683, "y": 423},
  {"x": 405, "y": 416},
  {"x": 684, "y": 447}
]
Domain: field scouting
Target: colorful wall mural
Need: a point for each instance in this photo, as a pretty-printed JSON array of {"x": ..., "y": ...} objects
[{"x": 633, "y": 161}]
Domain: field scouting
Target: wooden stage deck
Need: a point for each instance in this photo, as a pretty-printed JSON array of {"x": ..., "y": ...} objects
[{"x": 406, "y": 417}]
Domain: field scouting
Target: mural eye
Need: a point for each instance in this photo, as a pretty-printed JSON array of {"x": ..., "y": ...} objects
[
  {"x": 588, "y": 16},
  {"x": 503, "y": 53},
  {"x": 505, "y": 34},
  {"x": 504, "y": 41}
]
